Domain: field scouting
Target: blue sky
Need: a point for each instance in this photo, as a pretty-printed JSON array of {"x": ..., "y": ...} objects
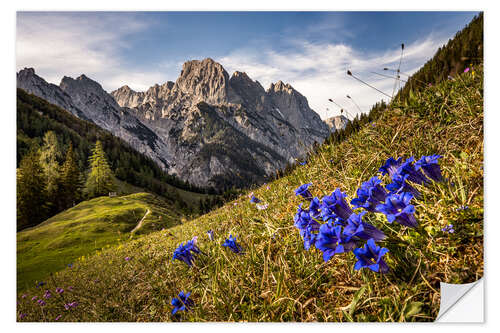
[{"x": 309, "y": 50}]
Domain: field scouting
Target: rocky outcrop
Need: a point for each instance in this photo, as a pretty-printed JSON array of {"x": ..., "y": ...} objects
[
  {"x": 208, "y": 128},
  {"x": 337, "y": 123}
]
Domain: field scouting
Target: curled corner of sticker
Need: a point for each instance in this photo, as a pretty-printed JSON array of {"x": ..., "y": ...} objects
[{"x": 462, "y": 303}]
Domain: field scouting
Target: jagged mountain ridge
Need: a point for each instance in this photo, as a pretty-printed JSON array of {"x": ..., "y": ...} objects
[{"x": 207, "y": 128}]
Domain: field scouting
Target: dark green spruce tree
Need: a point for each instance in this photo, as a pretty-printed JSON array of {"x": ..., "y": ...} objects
[
  {"x": 70, "y": 179},
  {"x": 100, "y": 180},
  {"x": 31, "y": 191}
]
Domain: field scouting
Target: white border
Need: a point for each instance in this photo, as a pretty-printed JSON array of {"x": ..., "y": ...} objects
[{"x": 7, "y": 82}]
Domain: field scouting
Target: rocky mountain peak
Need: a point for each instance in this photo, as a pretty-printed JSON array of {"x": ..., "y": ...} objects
[
  {"x": 26, "y": 72},
  {"x": 205, "y": 80},
  {"x": 281, "y": 87}
]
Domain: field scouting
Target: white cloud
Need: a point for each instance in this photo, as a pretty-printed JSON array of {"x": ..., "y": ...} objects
[
  {"x": 318, "y": 71},
  {"x": 71, "y": 44}
]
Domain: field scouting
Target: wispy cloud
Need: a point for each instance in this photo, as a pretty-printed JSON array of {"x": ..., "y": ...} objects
[
  {"x": 58, "y": 44},
  {"x": 318, "y": 70}
]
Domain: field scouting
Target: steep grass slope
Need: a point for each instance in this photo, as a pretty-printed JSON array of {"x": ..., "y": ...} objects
[
  {"x": 85, "y": 229},
  {"x": 275, "y": 279}
]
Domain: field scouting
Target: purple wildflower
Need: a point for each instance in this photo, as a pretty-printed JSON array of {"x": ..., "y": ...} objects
[
  {"x": 399, "y": 184},
  {"x": 369, "y": 195},
  {"x": 181, "y": 302},
  {"x": 231, "y": 243},
  {"x": 22, "y": 315},
  {"x": 430, "y": 166},
  {"x": 58, "y": 317},
  {"x": 24, "y": 296},
  {"x": 370, "y": 256},
  {"x": 47, "y": 294},
  {"x": 397, "y": 208},
  {"x": 127, "y": 258},
  {"x": 390, "y": 166},
  {"x": 414, "y": 174},
  {"x": 70, "y": 305},
  {"x": 335, "y": 203},
  {"x": 331, "y": 241},
  {"x": 262, "y": 206},
  {"x": 210, "y": 234},
  {"x": 307, "y": 226},
  {"x": 41, "y": 302},
  {"x": 314, "y": 208},
  {"x": 59, "y": 290},
  {"x": 34, "y": 298},
  {"x": 303, "y": 191},
  {"x": 183, "y": 252},
  {"x": 466, "y": 70},
  {"x": 254, "y": 199},
  {"x": 449, "y": 229},
  {"x": 356, "y": 228}
]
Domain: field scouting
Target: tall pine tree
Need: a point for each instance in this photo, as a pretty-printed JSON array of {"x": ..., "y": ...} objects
[
  {"x": 50, "y": 154},
  {"x": 70, "y": 179},
  {"x": 31, "y": 191},
  {"x": 100, "y": 180}
]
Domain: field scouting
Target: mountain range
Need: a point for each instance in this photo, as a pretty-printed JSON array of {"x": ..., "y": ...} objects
[{"x": 207, "y": 128}]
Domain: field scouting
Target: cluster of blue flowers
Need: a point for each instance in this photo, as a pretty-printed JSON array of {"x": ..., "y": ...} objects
[
  {"x": 344, "y": 230},
  {"x": 187, "y": 253}
]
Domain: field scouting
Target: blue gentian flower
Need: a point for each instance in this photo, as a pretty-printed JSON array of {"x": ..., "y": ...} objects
[
  {"x": 210, "y": 234},
  {"x": 303, "y": 163},
  {"x": 314, "y": 208},
  {"x": 183, "y": 252},
  {"x": 397, "y": 208},
  {"x": 303, "y": 191},
  {"x": 390, "y": 166},
  {"x": 181, "y": 302},
  {"x": 461, "y": 208},
  {"x": 254, "y": 199},
  {"x": 370, "y": 256},
  {"x": 370, "y": 194},
  {"x": 336, "y": 204},
  {"x": 309, "y": 237},
  {"x": 430, "y": 166},
  {"x": 400, "y": 184},
  {"x": 307, "y": 226},
  {"x": 356, "y": 228},
  {"x": 231, "y": 243},
  {"x": 40, "y": 284},
  {"x": 449, "y": 229},
  {"x": 331, "y": 241},
  {"x": 414, "y": 175}
]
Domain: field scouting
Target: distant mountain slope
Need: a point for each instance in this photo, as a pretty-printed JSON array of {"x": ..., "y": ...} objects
[
  {"x": 36, "y": 116},
  {"x": 170, "y": 123},
  {"x": 85, "y": 228}
]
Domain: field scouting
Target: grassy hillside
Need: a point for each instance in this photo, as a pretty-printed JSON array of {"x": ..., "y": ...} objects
[
  {"x": 86, "y": 228},
  {"x": 275, "y": 279}
]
